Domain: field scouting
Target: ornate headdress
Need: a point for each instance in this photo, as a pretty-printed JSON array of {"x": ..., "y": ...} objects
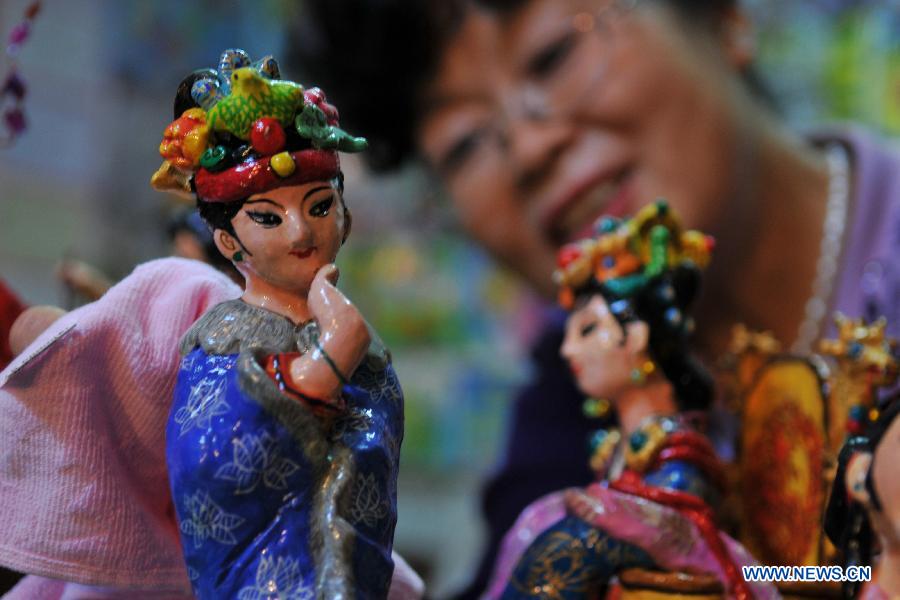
[
  {"x": 241, "y": 129},
  {"x": 626, "y": 254}
]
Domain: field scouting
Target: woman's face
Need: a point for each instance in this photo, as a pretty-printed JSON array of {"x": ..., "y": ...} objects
[
  {"x": 599, "y": 353},
  {"x": 540, "y": 121},
  {"x": 288, "y": 234}
]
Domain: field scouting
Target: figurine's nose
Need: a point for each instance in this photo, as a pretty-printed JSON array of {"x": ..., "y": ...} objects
[
  {"x": 300, "y": 231},
  {"x": 566, "y": 349}
]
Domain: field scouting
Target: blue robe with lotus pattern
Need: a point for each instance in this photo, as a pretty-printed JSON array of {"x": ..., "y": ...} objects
[{"x": 271, "y": 501}]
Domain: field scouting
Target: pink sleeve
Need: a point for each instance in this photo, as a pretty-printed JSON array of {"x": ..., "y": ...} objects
[{"x": 83, "y": 481}]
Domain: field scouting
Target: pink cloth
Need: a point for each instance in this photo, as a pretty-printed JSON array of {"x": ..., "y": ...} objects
[
  {"x": 84, "y": 491},
  {"x": 35, "y": 587},
  {"x": 405, "y": 583},
  {"x": 671, "y": 539}
]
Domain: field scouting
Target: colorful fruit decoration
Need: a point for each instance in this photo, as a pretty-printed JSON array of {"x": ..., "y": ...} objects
[
  {"x": 312, "y": 122},
  {"x": 248, "y": 131},
  {"x": 185, "y": 139},
  {"x": 267, "y": 136},
  {"x": 625, "y": 255},
  {"x": 184, "y": 142}
]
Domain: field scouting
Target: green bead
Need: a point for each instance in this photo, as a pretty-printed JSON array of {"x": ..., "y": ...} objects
[
  {"x": 637, "y": 440},
  {"x": 237, "y": 256},
  {"x": 212, "y": 158},
  {"x": 662, "y": 207},
  {"x": 597, "y": 439}
]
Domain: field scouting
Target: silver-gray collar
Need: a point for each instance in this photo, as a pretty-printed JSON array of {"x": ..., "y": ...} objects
[{"x": 234, "y": 327}]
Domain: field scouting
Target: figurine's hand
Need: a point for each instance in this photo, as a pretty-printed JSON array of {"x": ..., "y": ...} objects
[
  {"x": 343, "y": 339},
  {"x": 343, "y": 332},
  {"x": 83, "y": 279},
  {"x": 31, "y": 324}
]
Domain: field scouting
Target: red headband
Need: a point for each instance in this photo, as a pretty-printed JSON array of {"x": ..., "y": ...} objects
[{"x": 255, "y": 176}]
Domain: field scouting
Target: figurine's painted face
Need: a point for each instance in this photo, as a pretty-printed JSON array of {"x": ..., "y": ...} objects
[
  {"x": 886, "y": 476},
  {"x": 598, "y": 350},
  {"x": 886, "y": 482},
  {"x": 287, "y": 234},
  {"x": 540, "y": 120}
]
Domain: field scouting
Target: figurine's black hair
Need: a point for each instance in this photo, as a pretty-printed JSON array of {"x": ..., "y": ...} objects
[
  {"x": 663, "y": 304},
  {"x": 218, "y": 215},
  {"x": 374, "y": 56}
]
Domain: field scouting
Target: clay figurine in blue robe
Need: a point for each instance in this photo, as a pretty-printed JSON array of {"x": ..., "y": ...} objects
[{"x": 284, "y": 435}]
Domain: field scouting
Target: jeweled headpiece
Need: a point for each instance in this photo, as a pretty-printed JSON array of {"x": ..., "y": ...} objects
[
  {"x": 240, "y": 129},
  {"x": 626, "y": 254}
]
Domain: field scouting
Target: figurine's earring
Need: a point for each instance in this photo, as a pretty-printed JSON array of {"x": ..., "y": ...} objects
[
  {"x": 640, "y": 374},
  {"x": 237, "y": 256}
]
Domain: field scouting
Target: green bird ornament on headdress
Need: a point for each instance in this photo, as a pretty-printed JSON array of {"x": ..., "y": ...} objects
[{"x": 253, "y": 97}]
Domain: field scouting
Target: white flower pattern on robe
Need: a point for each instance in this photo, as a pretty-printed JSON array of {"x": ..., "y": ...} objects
[
  {"x": 256, "y": 458},
  {"x": 366, "y": 505},
  {"x": 206, "y": 520},
  {"x": 356, "y": 420},
  {"x": 277, "y": 579},
  {"x": 206, "y": 400},
  {"x": 381, "y": 384}
]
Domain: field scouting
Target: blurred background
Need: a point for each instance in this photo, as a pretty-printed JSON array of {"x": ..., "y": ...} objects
[{"x": 101, "y": 76}]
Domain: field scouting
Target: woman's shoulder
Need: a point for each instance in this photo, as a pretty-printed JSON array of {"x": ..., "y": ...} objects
[
  {"x": 875, "y": 161},
  {"x": 867, "y": 274}
]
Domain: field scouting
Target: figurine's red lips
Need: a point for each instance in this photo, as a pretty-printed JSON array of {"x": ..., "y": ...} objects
[{"x": 305, "y": 253}]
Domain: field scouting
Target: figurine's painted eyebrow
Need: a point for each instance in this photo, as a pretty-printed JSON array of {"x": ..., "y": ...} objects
[
  {"x": 316, "y": 189},
  {"x": 266, "y": 200}
]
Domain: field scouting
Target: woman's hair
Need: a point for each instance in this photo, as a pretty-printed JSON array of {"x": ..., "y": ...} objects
[
  {"x": 374, "y": 56},
  {"x": 663, "y": 304}
]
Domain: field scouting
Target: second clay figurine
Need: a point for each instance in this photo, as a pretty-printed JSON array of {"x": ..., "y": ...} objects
[{"x": 629, "y": 290}]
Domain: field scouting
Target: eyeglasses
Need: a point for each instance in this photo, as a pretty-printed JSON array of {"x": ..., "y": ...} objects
[{"x": 557, "y": 79}]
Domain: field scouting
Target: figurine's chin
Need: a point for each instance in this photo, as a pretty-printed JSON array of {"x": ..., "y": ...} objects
[{"x": 589, "y": 390}]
